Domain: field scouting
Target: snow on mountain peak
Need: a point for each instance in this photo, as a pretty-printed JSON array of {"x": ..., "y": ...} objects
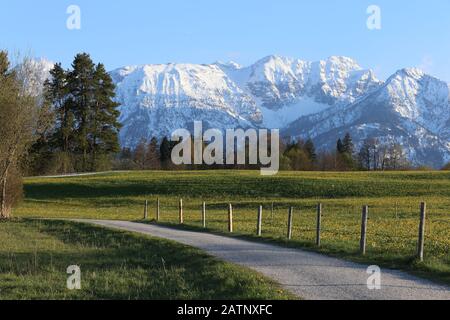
[
  {"x": 35, "y": 72},
  {"x": 272, "y": 69},
  {"x": 163, "y": 98},
  {"x": 343, "y": 63},
  {"x": 419, "y": 97},
  {"x": 272, "y": 59},
  {"x": 273, "y": 91},
  {"x": 308, "y": 99},
  {"x": 230, "y": 64},
  {"x": 412, "y": 73},
  {"x": 411, "y": 108}
]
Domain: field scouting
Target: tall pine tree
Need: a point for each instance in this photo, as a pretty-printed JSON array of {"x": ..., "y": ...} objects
[
  {"x": 103, "y": 125},
  {"x": 310, "y": 150},
  {"x": 87, "y": 124},
  {"x": 348, "y": 146},
  {"x": 165, "y": 152},
  {"x": 81, "y": 87},
  {"x": 340, "y": 146},
  {"x": 56, "y": 94},
  {"x": 345, "y": 151}
]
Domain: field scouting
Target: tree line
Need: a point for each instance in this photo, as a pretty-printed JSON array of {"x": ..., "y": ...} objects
[
  {"x": 295, "y": 155},
  {"x": 373, "y": 155},
  {"x": 147, "y": 155}
]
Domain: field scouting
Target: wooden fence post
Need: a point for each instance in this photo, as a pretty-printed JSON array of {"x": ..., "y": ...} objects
[
  {"x": 230, "y": 218},
  {"x": 259, "y": 224},
  {"x": 363, "y": 241},
  {"x": 272, "y": 211},
  {"x": 421, "y": 243},
  {"x": 146, "y": 210},
  {"x": 181, "y": 211},
  {"x": 290, "y": 217},
  {"x": 204, "y": 214},
  {"x": 158, "y": 212},
  {"x": 319, "y": 224}
]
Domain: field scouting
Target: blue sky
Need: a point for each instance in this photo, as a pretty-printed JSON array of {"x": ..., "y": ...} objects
[{"x": 414, "y": 33}]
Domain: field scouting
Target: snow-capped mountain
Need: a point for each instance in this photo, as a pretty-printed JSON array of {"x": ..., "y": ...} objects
[
  {"x": 321, "y": 100},
  {"x": 34, "y": 73},
  {"x": 411, "y": 108},
  {"x": 286, "y": 89},
  {"x": 157, "y": 99}
]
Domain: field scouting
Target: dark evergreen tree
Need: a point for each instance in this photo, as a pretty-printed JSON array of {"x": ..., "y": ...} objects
[
  {"x": 103, "y": 125},
  {"x": 165, "y": 152},
  {"x": 310, "y": 150},
  {"x": 56, "y": 94},
  {"x": 86, "y": 113},
  {"x": 345, "y": 151},
  {"x": 81, "y": 98},
  {"x": 364, "y": 156},
  {"x": 340, "y": 146},
  {"x": 348, "y": 146}
]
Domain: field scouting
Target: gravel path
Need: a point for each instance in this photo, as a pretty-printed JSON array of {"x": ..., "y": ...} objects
[
  {"x": 309, "y": 275},
  {"x": 72, "y": 175}
]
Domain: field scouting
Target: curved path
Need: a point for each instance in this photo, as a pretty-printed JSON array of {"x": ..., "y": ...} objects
[{"x": 306, "y": 274}]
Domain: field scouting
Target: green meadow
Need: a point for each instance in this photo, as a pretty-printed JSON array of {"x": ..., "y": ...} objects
[
  {"x": 393, "y": 198},
  {"x": 115, "y": 265}
]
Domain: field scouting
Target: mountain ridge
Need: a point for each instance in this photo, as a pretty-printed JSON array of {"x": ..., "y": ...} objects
[{"x": 321, "y": 100}]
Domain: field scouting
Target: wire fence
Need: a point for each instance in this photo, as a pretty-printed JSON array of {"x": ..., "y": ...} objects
[{"x": 392, "y": 227}]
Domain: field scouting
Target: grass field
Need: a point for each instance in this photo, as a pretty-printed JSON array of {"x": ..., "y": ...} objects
[
  {"x": 393, "y": 197},
  {"x": 115, "y": 265}
]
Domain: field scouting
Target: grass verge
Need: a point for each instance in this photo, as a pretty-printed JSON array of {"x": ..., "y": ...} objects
[{"x": 35, "y": 254}]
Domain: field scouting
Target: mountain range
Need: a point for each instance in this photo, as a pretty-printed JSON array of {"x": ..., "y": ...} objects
[{"x": 321, "y": 100}]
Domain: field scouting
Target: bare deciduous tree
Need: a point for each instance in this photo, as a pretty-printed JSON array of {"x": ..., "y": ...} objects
[{"x": 22, "y": 115}]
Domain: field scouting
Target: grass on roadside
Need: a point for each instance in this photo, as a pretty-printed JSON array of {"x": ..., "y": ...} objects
[{"x": 35, "y": 254}]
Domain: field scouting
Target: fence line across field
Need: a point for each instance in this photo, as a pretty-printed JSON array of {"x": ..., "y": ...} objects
[{"x": 363, "y": 240}]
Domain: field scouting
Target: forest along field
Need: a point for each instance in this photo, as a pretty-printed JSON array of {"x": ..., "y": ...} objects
[{"x": 393, "y": 197}]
